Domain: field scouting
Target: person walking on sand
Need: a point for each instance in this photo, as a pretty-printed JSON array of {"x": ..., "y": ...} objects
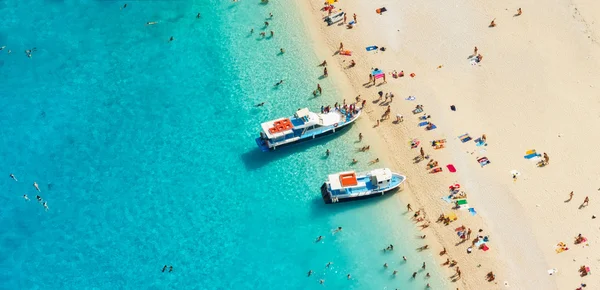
[
  {"x": 319, "y": 89},
  {"x": 408, "y": 207},
  {"x": 344, "y": 18},
  {"x": 493, "y": 23},
  {"x": 519, "y": 12},
  {"x": 570, "y": 197},
  {"x": 354, "y": 17},
  {"x": 475, "y": 50},
  {"x": 586, "y": 201},
  {"x": 360, "y": 137},
  {"x": 325, "y": 72},
  {"x": 468, "y": 235},
  {"x": 341, "y": 46},
  {"x": 422, "y": 153}
]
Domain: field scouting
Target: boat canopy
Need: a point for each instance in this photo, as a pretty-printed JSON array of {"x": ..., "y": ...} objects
[
  {"x": 302, "y": 113},
  {"x": 381, "y": 174}
]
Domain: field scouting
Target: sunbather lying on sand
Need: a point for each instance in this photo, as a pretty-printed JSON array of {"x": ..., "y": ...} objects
[{"x": 432, "y": 163}]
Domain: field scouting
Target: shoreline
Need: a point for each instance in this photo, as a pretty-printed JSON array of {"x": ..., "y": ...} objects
[{"x": 518, "y": 220}]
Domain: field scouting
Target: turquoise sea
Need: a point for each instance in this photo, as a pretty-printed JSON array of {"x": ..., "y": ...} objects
[{"x": 143, "y": 149}]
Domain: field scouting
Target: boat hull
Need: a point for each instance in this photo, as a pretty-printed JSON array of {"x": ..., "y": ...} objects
[{"x": 262, "y": 145}]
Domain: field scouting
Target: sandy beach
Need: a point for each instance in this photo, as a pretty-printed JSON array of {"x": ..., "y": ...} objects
[{"x": 534, "y": 88}]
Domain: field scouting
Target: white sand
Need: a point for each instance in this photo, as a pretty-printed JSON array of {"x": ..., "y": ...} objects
[{"x": 536, "y": 88}]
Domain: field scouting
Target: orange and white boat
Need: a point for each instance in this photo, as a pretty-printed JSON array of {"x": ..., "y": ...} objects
[
  {"x": 304, "y": 125},
  {"x": 349, "y": 185}
]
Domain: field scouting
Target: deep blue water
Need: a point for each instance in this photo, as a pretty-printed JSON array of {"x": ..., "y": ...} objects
[{"x": 143, "y": 149}]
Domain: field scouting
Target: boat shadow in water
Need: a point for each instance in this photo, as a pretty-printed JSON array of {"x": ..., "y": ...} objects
[
  {"x": 319, "y": 207},
  {"x": 255, "y": 158}
]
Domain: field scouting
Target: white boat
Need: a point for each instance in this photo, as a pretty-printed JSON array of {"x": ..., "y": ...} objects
[
  {"x": 334, "y": 18},
  {"x": 304, "y": 125},
  {"x": 349, "y": 185}
]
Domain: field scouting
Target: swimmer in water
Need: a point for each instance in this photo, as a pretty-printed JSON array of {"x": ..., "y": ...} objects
[
  {"x": 151, "y": 22},
  {"x": 339, "y": 229},
  {"x": 39, "y": 198},
  {"x": 36, "y": 186},
  {"x": 2, "y": 47},
  {"x": 328, "y": 264},
  {"x": 309, "y": 273},
  {"x": 171, "y": 39},
  {"x": 319, "y": 239},
  {"x": 13, "y": 177},
  {"x": 171, "y": 269},
  {"x": 198, "y": 15},
  {"x": 404, "y": 258},
  {"x": 279, "y": 83},
  {"x": 25, "y": 197},
  {"x": 124, "y": 6},
  {"x": 260, "y": 104},
  {"x": 164, "y": 268},
  {"x": 327, "y": 152},
  {"x": 46, "y": 206},
  {"x": 282, "y": 51}
]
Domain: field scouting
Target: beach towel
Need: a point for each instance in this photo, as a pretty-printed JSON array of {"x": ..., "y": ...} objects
[
  {"x": 447, "y": 199},
  {"x": 423, "y": 118},
  {"x": 346, "y": 52},
  {"x": 411, "y": 98},
  {"x": 461, "y": 201},
  {"x": 552, "y": 271},
  {"x": 372, "y": 47},
  {"x": 451, "y": 168},
  {"x": 472, "y": 211},
  {"x": 465, "y": 138},
  {"x": 485, "y": 248},
  {"x": 416, "y": 111},
  {"x": 433, "y": 126},
  {"x": 452, "y": 216},
  {"x": 376, "y": 72},
  {"x": 480, "y": 142},
  {"x": 532, "y": 151},
  {"x": 423, "y": 124},
  {"x": 381, "y": 10},
  {"x": 483, "y": 161}
]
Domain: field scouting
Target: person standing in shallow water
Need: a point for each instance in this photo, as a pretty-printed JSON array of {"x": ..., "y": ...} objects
[{"x": 327, "y": 152}]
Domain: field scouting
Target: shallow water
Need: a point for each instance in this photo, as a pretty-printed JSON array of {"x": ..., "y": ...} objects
[{"x": 144, "y": 150}]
